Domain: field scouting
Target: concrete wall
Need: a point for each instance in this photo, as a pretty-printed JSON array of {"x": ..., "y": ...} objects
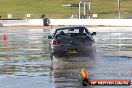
[
  {"x": 111, "y": 22},
  {"x": 39, "y": 22},
  {"x": 26, "y": 22}
]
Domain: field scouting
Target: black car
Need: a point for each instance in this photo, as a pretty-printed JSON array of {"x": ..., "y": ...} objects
[{"x": 72, "y": 41}]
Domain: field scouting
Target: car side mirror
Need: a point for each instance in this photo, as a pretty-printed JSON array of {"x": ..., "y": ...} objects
[
  {"x": 94, "y": 33},
  {"x": 50, "y": 37}
]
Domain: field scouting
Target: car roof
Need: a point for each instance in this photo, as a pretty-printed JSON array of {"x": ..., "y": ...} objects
[{"x": 71, "y": 27}]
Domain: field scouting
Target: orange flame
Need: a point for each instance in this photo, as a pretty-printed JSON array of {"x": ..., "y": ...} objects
[{"x": 84, "y": 74}]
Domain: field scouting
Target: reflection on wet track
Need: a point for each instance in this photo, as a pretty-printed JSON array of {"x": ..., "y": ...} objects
[{"x": 26, "y": 61}]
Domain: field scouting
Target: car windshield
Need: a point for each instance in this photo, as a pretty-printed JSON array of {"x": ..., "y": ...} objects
[{"x": 74, "y": 30}]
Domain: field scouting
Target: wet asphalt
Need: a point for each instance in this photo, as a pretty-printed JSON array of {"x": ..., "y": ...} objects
[{"x": 25, "y": 59}]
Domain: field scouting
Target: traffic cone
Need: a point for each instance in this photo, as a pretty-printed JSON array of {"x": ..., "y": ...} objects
[{"x": 4, "y": 37}]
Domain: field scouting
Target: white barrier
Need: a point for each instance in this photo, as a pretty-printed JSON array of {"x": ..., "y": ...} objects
[
  {"x": 1, "y": 24},
  {"x": 109, "y": 22},
  {"x": 95, "y": 22},
  {"x": 36, "y": 22},
  {"x": 26, "y": 22}
]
